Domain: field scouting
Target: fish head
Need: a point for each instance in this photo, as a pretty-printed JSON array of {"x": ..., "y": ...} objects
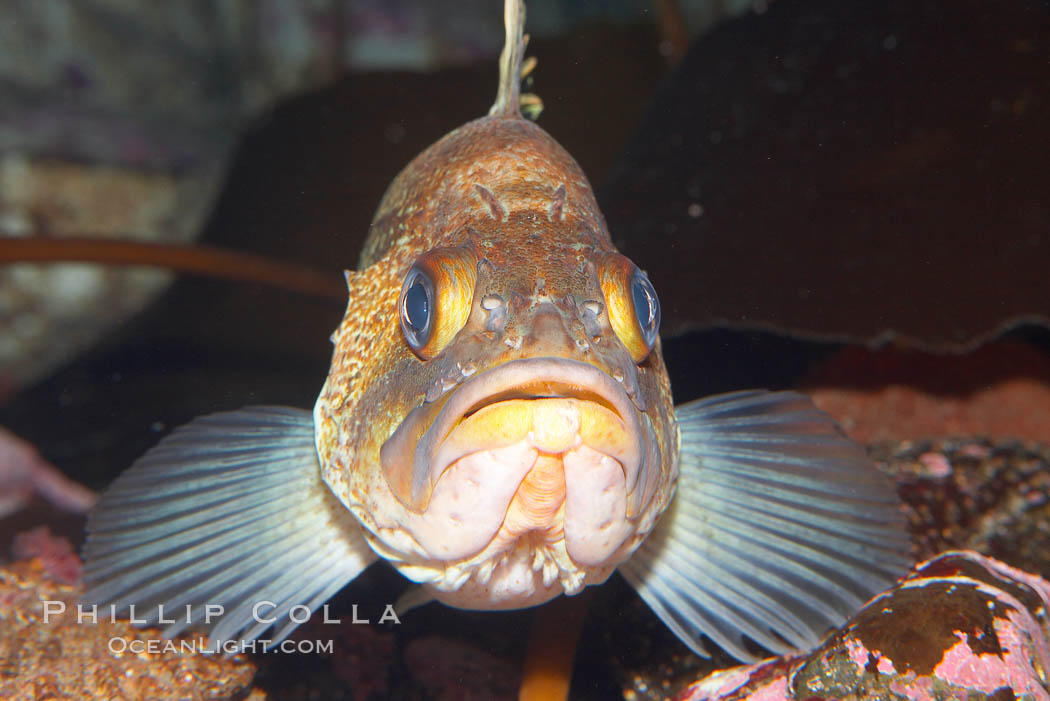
[{"x": 498, "y": 415}]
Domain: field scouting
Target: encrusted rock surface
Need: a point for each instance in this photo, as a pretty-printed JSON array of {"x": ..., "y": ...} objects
[
  {"x": 961, "y": 626},
  {"x": 981, "y": 494},
  {"x": 988, "y": 495},
  {"x": 63, "y": 660}
]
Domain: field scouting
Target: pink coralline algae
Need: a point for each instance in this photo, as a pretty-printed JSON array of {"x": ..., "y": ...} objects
[
  {"x": 57, "y": 557},
  {"x": 960, "y": 626}
]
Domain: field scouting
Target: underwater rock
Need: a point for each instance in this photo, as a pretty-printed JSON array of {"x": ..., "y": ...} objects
[
  {"x": 987, "y": 495},
  {"x": 1000, "y": 389},
  {"x": 64, "y": 660},
  {"x": 54, "y": 553},
  {"x": 93, "y": 144},
  {"x": 51, "y": 311},
  {"x": 830, "y": 169},
  {"x": 960, "y": 626}
]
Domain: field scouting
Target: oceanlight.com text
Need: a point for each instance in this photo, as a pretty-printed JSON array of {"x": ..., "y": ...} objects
[{"x": 119, "y": 645}]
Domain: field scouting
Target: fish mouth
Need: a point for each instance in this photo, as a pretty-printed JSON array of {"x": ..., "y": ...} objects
[{"x": 497, "y": 407}]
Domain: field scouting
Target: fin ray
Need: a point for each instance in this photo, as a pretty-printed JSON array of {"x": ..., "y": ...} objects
[
  {"x": 746, "y": 603},
  {"x": 230, "y": 510},
  {"x": 780, "y": 529}
]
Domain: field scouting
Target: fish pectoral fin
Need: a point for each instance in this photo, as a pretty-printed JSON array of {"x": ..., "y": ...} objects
[
  {"x": 229, "y": 510},
  {"x": 781, "y": 527}
]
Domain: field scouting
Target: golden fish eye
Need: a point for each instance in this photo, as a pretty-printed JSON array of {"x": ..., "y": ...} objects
[
  {"x": 436, "y": 298},
  {"x": 634, "y": 308},
  {"x": 646, "y": 307}
]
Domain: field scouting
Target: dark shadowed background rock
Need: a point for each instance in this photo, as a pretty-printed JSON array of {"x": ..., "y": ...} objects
[{"x": 849, "y": 171}]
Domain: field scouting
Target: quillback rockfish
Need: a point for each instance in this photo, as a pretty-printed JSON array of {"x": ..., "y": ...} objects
[{"x": 498, "y": 424}]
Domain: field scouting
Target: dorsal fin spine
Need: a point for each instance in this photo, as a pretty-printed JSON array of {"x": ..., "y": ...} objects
[{"x": 508, "y": 96}]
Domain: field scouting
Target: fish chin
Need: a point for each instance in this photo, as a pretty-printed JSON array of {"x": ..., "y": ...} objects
[
  {"x": 534, "y": 488},
  {"x": 567, "y": 484}
]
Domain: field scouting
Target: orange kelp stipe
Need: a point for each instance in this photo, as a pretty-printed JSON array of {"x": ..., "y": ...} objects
[
  {"x": 556, "y": 627},
  {"x": 197, "y": 260}
]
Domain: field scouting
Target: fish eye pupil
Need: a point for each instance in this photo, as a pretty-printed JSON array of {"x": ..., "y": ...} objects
[
  {"x": 417, "y": 305},
  {"x": 646, "y": 307},
  {"x": 416, "y": 308}
]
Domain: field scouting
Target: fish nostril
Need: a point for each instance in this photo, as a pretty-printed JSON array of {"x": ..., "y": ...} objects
[
  {"x": 589, "y": 317},
  {"x": 497, "y": 316}
]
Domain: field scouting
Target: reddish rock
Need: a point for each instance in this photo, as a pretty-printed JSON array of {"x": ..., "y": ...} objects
[
  {"x": 55, "y": 553},
  {"x": 56, "y": 656},
  {"x": 1001, "y": 389},
  {"x": 961, "y": 626}
]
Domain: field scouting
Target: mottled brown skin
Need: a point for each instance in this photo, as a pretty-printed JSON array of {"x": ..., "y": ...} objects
[{"x": 504, "y": 191}]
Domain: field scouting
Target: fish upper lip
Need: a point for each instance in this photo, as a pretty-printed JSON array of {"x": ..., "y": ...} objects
[{"x": 413, "y": 480}]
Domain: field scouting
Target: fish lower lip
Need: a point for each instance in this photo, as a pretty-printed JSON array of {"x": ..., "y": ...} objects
[{"x": 410, "y": 457}]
